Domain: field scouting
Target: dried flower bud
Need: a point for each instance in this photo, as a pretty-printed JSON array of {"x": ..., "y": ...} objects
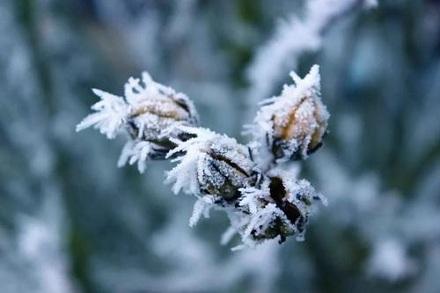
[
  {"x": 149, "y": 112},
  {"x": 224, "y": 169},
  {"x": 156, "y": 110},
  {"x": 280, "y": 208},
  {"x": 294, "y": 123},
  {"x": 212, "y": 164}
]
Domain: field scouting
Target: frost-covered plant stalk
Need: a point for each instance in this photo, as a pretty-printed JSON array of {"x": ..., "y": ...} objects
[{"x": 254, "y": 183}]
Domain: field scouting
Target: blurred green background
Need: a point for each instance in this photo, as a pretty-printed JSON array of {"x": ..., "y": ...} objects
[{"x": 71, "y": 221}]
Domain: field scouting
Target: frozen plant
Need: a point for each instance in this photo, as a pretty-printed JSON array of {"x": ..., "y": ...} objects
[
  {"x": 254, "y": 183},
  {"x": 150, "y": 114}
]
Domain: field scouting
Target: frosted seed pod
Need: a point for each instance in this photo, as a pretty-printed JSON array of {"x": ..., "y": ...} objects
[
  {"x": 287, "y": 220},
  {"x": 276, "y": 227},
  {"x": 280, "y": 194},
  {"x": 287, "y": 210},
  {"x": 293, "y": 124},
  {"x": 299, "y": 132},
  {"x": 156, "y": 111},
  {"x": 225, "y": 169},
  {"x": 150, "y": 112},
  {"x": 211, "y": 164}
]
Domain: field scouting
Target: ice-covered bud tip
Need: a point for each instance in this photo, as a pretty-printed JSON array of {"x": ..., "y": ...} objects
[
  {"x": 156, "y": 110},
  {"x": 211, "y": 164},
  {"x": 285, "y": 212},
  {"x": 293, "y": 124},
  {"x": 149, "y": 112}
]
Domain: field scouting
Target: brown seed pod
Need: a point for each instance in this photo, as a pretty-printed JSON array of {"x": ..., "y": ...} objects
[
  {"x": 285, "y": 211},
  {"x": 224, "y": 169},
  {"x": 293, "y": 124},
  {"x": 212, "y": 164},
  {"x": 155, "y": 111},
  {"x": 299, "y": 131}
]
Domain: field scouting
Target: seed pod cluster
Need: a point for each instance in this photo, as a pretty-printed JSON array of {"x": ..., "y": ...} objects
[
  {"x": 251, "y": 183},
  {"x": 267, "y": 206}
]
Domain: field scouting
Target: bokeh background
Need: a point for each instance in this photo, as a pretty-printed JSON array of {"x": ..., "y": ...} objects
[{"x": 71, "y": 221}]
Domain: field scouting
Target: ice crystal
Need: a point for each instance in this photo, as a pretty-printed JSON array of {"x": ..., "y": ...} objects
[
  {"x": 111, "y": 113},
  {"x": 136, "y": 151},
  {"x": 201, "y": 208}
]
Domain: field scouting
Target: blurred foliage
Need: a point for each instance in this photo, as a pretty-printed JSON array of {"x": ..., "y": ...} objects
[{"x": 104, "y": 229}]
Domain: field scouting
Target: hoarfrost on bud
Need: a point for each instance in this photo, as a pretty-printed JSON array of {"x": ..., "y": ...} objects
[
  {"x": 292, "y": 125},
  {"x": 261, "y": 222},
  {"x": 278, "y": 209},
  {"x": 252, "y": 198},
  {"x": 156, "y": 108},
  {"x": 149, "y": 112},
  {"x": 210, "y": 164}
]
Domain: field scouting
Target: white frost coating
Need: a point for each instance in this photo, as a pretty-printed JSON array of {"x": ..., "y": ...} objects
[
  {"x": 110, "y": 115},
  {"x": 260, "y": 221},
  {"x": 291, "y": 39},
  {"x": 252, "y": 196},
  {"x": 295, "y": 187},
  {"x": 135, "y": 151},
  {"x": 149, "y": 112},
  {"x": 261, "y": 212},
  {"x": 254, "y": 215},
  {"x": 302, "y": 98},
  {"x": 149, "y": 93},
  {"x": 194, "y": 165},
  {"x": 201, "y": 208},
  {"x": 184, "y": 175}
]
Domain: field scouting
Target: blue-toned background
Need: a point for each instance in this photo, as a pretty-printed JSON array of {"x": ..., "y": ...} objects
[{"x": 71, "y": 221}]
